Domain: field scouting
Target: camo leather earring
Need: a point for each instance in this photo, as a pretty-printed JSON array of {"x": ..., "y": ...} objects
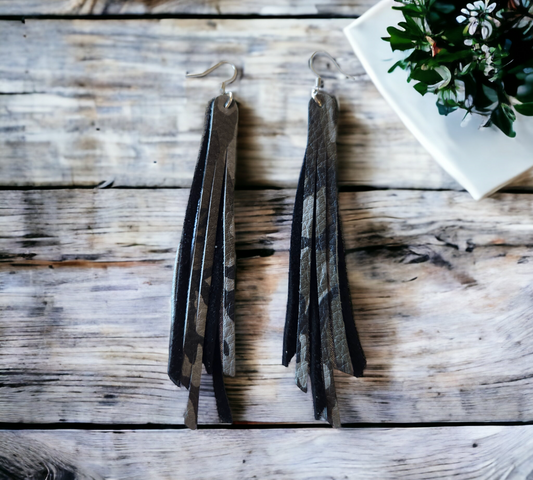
[
  {"x": 203, "y": 293},
  {"x": 319, "y": 326}
]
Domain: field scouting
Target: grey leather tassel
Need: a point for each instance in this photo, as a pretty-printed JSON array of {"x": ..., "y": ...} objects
[
  {"x": 319, "y": 326},
  {"x": 203, "y": 295}
]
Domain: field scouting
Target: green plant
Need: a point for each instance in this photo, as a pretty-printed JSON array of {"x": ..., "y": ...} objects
[{"x": 475, "y": 56}]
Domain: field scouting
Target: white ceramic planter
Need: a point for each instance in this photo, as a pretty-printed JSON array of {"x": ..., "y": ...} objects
[{"x": 481, "y": 160}]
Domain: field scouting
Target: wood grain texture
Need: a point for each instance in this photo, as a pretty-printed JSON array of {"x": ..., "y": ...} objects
[
  {"x": 84, "y": 102},
  {"x": 441, "y": 288},
  {"x": 181, "y": 7},
  {"x": 480, "y": 453}
]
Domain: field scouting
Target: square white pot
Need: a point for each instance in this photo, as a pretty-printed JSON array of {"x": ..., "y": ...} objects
[{"x": 481, "y": 160}]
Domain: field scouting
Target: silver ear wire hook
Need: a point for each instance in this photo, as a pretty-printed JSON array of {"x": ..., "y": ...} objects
[
  {"x": 319, "y": 82},
  {"x": 224, "y": 83}
]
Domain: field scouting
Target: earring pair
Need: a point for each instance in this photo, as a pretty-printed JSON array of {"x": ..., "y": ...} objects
[{"x": 319, "y": 326}]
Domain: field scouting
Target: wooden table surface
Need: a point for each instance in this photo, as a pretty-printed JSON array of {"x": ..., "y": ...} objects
[{"x": 93, "y": 93}]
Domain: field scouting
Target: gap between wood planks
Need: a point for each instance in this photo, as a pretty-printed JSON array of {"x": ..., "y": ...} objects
[
  {"x": 248, "y": 426},
  {"x": 183, "y": 16},
  {"x": 342, "y": 188}
]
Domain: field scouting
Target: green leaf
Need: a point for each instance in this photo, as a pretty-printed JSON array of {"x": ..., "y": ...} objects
[
  {"x": 525, "y": 109},
  {"x": 443, "y": 7},
  {"x": 427, "y": 76},
  {"x": 396, "y": 32},
  {"x": 522, "y": 68},
  {"x": 500, "y": 118},
  {"x": 400, "y": 63},
  {"x": 467, "y": 68},
  {"x": 448, "y": 57},
  {"x": 524, "y": 92},
  {"x": 490, "y": 93},
  {"x": 445, "y": 109},
  {"x": 485, "y": 97},
  {"x": 421, "y": 88},
  {"x": 399, "y": 39},
  {"x": 508, "y": 111},
  {"x": 410, "y": 9},
  {"x": 410, "y": 24}
]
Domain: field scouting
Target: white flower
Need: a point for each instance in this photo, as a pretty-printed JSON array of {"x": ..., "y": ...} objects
[
  {"x": 489, "y": 59},
  {"x": 478, "y": 14},
  {"x": 525, "y": 22},
  {"x": 486, "y": 29},
  {"x": 456, "y": 92},
  {"x": 446, "y": 76}
]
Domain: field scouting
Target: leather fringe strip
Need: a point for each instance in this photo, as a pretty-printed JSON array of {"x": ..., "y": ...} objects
[
  {"x": 203, "y": 298},
  {"x": 319, "y": 327}
]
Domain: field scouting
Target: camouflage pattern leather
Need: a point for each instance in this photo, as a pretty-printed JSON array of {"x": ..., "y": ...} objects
[
  {"x": 227, "y": 337},
  {"x": 182, "y": 271},
  {"x": 306, "y": 252},
  {"x": 322, "y": 321},
  {"x": 212, "y": 207},
  {"x": 328, "y": 124}
]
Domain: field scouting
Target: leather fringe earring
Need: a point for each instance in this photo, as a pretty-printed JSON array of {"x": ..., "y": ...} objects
[
  {"x": 319, "y": 326},
  {"x": 203, "y": 294}
]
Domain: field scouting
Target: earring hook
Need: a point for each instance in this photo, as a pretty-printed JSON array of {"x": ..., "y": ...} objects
[
  {"x": 319, "y": 82},
  {"x": 224, "y": 83}
]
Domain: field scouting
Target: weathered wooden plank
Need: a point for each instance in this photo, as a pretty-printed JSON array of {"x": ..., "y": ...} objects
[
  {"x": 441, "y": 288},
  {"x": 188, "y": 7},
  {"x": 83, "y": 102},
  {"x": 488, "y": 453}
]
